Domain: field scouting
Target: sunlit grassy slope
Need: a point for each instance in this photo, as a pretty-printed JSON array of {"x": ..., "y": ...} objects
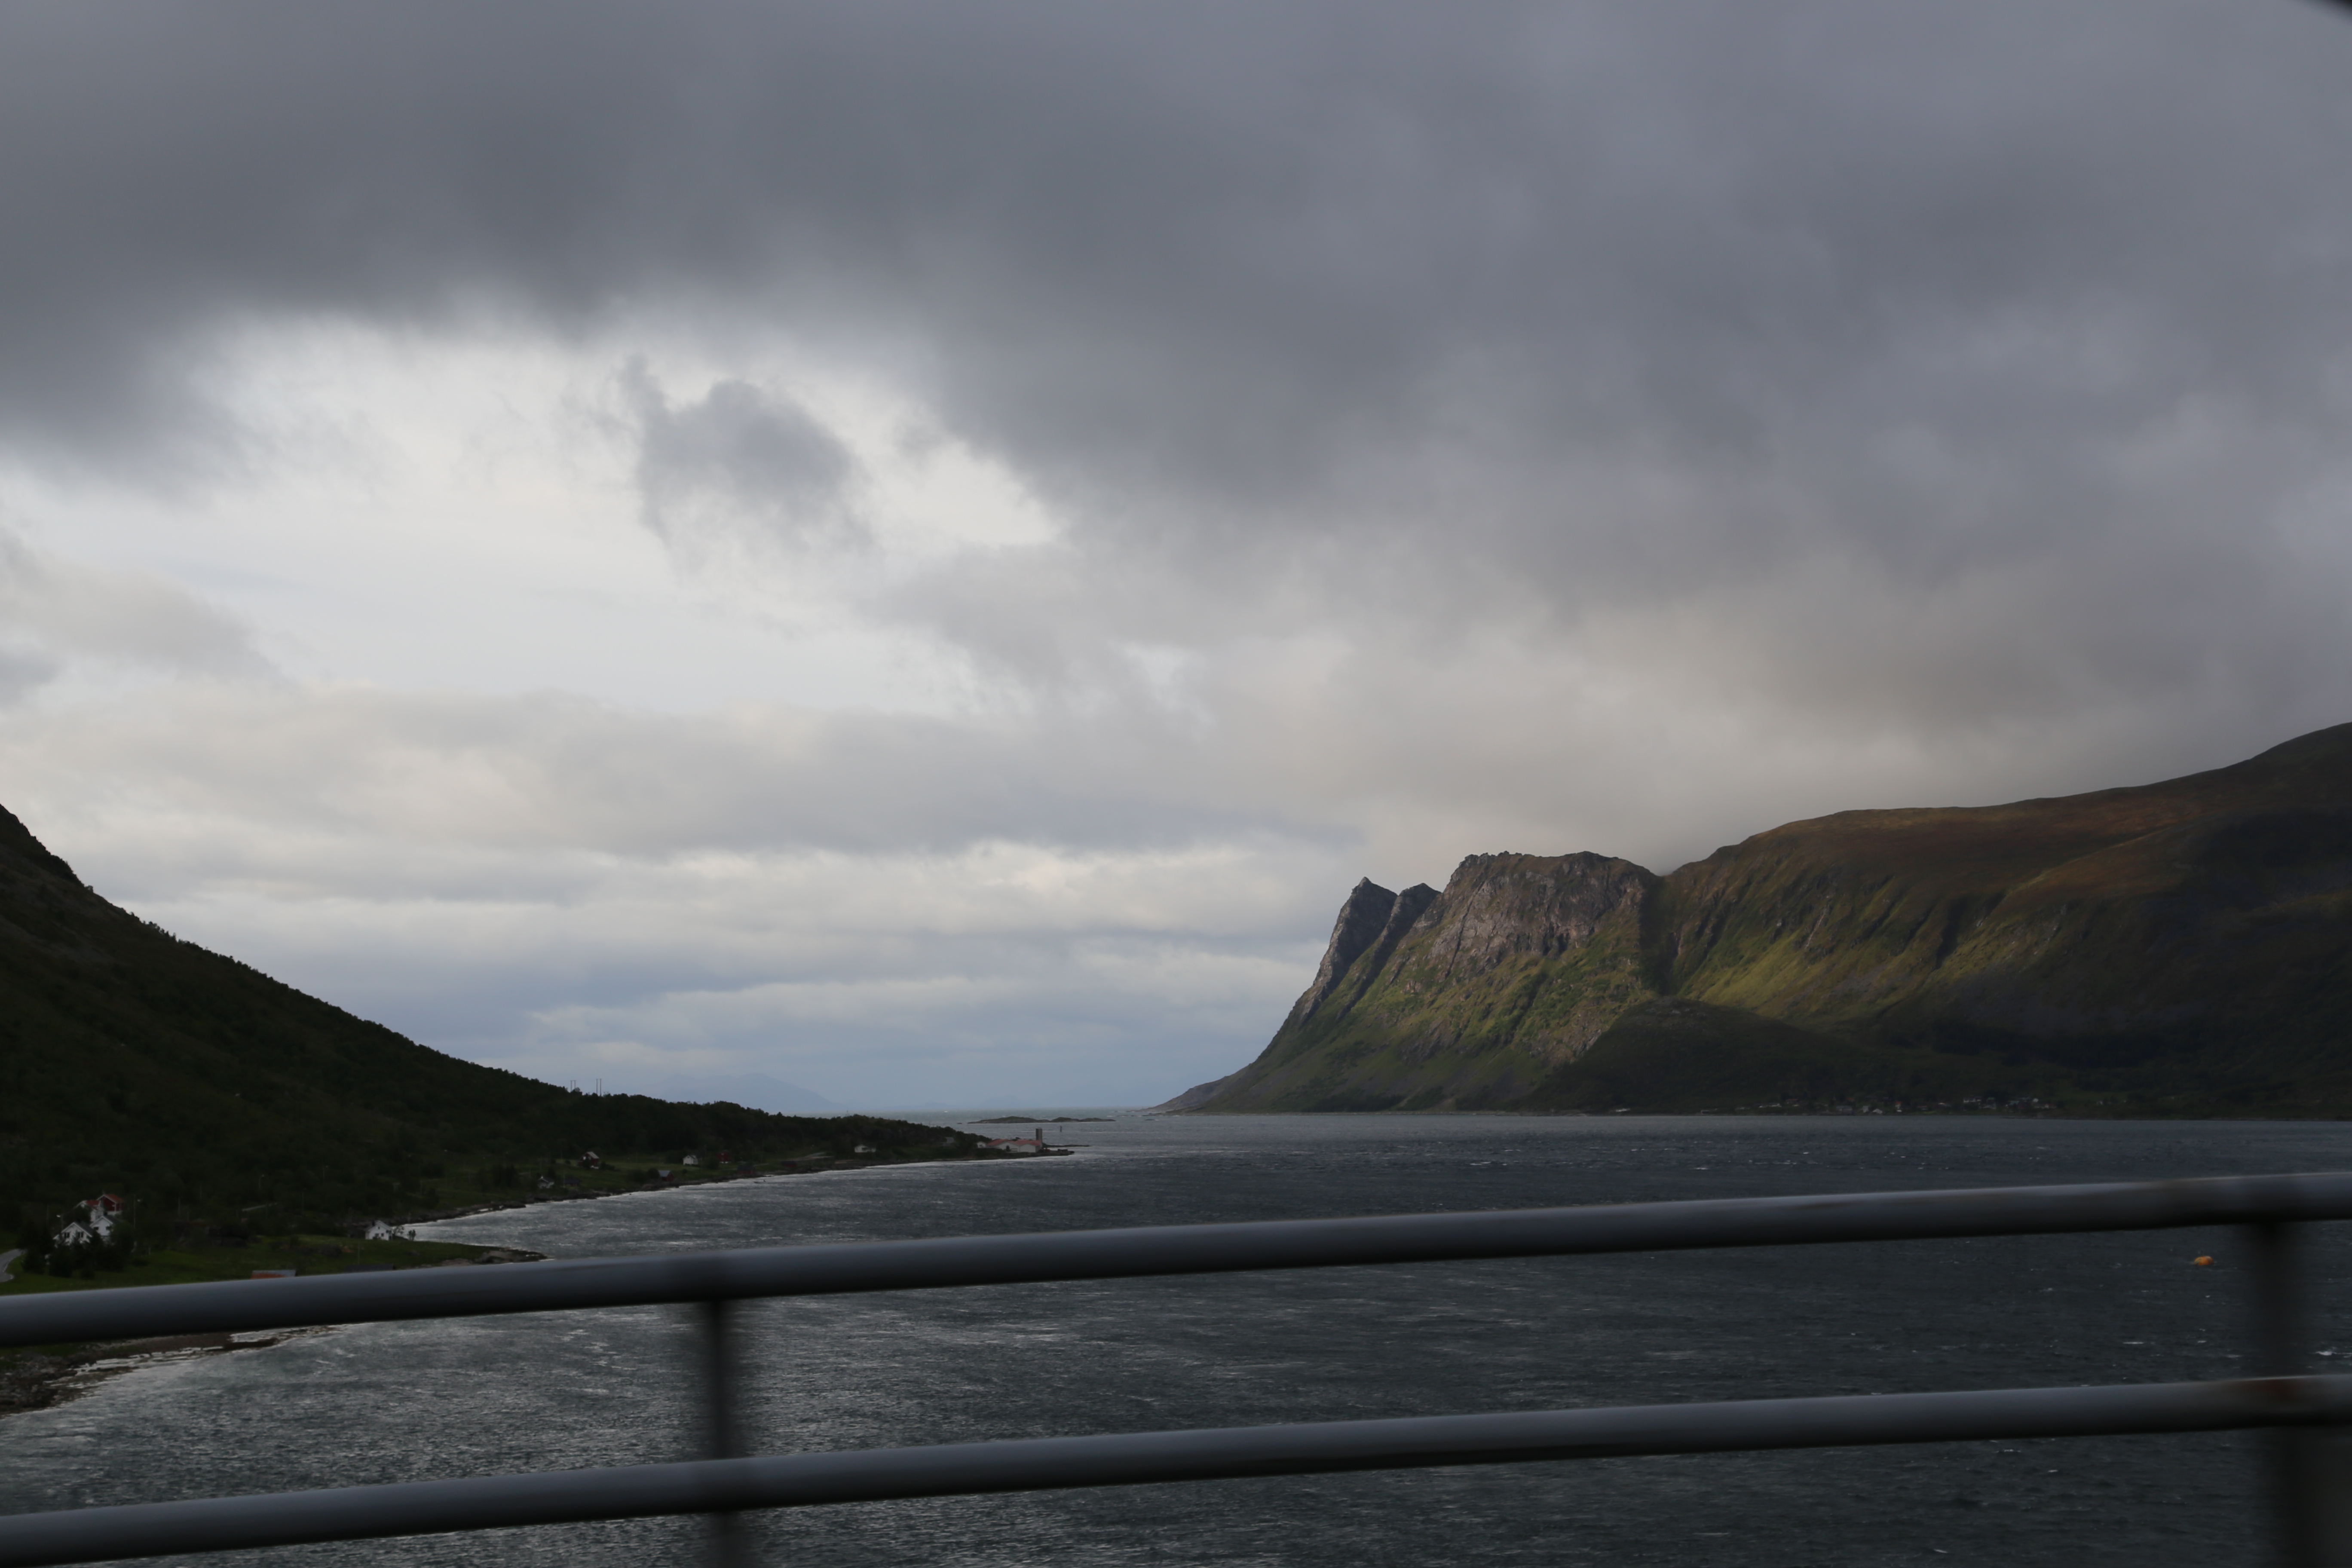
[{"x": 2177, "y": 948}]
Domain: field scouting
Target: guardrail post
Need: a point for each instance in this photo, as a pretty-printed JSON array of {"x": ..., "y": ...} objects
[
  {"x": 2315, "y": 1526},
  {"x": 722, "y": 1423}
]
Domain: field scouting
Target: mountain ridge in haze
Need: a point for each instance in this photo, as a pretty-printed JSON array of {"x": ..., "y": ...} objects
[{"x": 2181, "y": 947}]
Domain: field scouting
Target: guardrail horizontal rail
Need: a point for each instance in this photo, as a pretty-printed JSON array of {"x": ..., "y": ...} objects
[
  {"x": 801, "y": 1480},
  {"x": 839, "y": 1269}
]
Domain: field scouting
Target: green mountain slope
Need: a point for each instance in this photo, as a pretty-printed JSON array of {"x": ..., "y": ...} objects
[
  {"x": 2173, "y": 947},
  {"x": 132, "y": 1060}
]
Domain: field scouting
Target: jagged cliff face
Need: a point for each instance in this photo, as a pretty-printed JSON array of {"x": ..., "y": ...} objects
[
  {"x": 2132, "y": 941},
  {"x": 1472, "y": 996}
]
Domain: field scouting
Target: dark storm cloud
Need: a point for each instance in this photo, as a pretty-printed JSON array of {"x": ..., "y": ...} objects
[
  {"x": 1598, "y": 300},
  {"x": 753, "y": 457},
  {"x": 1141, "y": 241}
]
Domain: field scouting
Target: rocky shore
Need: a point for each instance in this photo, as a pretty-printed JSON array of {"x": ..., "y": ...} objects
[{"x": 30, "y": 1380}]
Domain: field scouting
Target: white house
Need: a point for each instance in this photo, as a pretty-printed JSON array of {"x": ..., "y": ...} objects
[
  {"x": 94, "y": 1221},
  {"x": 382, "y": 1230}
]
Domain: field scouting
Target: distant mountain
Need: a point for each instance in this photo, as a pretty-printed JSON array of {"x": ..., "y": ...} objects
[
  {"x": 130, "y": 1058},
  {"x": 2177, "y": 948}
]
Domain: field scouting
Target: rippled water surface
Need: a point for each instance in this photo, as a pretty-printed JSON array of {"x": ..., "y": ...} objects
[{"x": 399, "y": 1402}]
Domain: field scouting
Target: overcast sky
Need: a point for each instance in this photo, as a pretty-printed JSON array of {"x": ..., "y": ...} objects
[{"x": 918, "y": 549}]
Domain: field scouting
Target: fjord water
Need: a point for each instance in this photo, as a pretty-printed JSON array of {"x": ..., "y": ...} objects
[{"x": 412, "y": 1401}]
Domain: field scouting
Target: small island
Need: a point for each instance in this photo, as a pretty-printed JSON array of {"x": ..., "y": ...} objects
[{"x": 1031, "y": 1121}]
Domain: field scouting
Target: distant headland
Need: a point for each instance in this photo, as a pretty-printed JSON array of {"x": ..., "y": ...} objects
[{"x": 2178, "y": 949}]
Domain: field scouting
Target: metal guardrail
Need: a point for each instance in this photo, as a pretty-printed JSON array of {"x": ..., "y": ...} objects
[{"x": 2309, "y": 1499}]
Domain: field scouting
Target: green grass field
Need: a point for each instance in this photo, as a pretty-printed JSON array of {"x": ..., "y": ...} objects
[{"x": 303, "y": 1254}]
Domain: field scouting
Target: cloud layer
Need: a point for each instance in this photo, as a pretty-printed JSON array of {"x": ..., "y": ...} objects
[{"x": 631, "y": 487}]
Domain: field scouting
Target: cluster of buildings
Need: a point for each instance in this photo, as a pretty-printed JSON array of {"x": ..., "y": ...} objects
[
  {"x": 1031, "y": 1145},
  {"x": 92, "y": 1223}
]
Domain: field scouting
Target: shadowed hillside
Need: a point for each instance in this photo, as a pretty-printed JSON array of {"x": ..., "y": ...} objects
[
  {"x": 132, "y": 1060},
  {"x": 2172, "y": 948}
]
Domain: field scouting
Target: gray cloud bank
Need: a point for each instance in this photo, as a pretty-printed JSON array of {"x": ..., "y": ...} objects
[
  {"x": 1534, "y": 426},
  {"x": 1552, "y": 304}
]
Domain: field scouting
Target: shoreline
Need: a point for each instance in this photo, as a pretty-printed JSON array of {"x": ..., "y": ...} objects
[
  {"x": 37, "y": 1377},
  {"x": 31, "y": 1381},
  {"x": 466, "y": 1211}
]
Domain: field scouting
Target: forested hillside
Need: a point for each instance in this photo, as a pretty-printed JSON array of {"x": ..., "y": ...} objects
[{"x": 132, "y": 1060}]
